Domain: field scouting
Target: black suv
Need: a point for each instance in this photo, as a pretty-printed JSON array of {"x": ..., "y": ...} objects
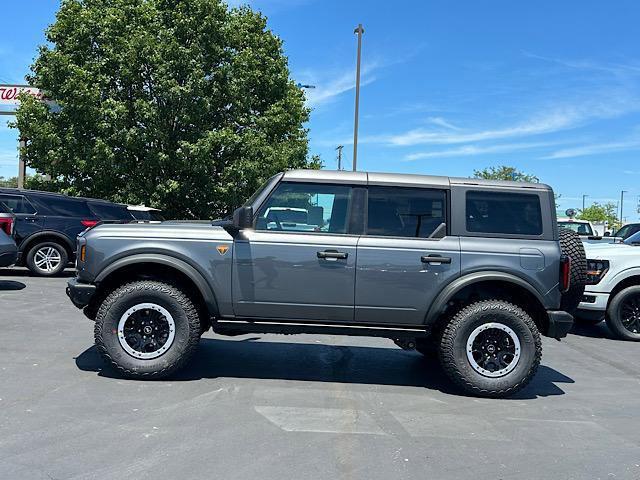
[{"x": 47, "y": 224}]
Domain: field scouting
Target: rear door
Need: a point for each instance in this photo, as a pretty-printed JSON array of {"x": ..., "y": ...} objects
[
  {"x": 66, "y": 215},
  {"x": 400, "y": 269}
]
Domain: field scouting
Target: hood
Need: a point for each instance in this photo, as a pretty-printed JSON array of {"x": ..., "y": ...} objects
[
  {"x": 165, "y": 230},
  {"x": 611, "y": 250}
]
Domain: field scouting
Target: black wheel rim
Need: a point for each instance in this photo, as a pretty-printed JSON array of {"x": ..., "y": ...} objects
[
  {"x": 146, "y": 331},
  {"x": 493, "y": 350},
  {"x": 630, "y": 314}
]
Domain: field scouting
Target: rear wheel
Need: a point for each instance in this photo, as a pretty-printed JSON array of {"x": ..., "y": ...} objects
[
  {"x": 491, "y": 348},
  {"x": 147, "y": 329},
  {"x": 47, "y": 259},
  {"x": 571, "y": 246},
  {"x": 623, "y": 314}
]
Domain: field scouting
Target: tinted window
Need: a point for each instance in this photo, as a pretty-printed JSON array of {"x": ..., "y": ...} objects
[
  {"x": 65, "y": 206},
  {"x": 110, "y": 211},
  {"x": 627, "y": 231},
  {"x": 17, "y": 204},
  {"x": 302, "y": 207},
  {"x": 510, "y": 213},
  {"x": 405, "y": 212}
]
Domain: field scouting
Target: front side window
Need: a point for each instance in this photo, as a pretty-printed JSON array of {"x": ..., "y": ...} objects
[
  {"x": 306, "y": 207},
  {"x": 18, "y": 204},
  {"x": 406, "y": 212},
  {"x": 503, "y": 212}
]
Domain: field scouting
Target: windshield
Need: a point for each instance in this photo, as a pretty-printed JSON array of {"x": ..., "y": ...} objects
[
  {"x": 578, "y": 227},
  {"x": 627, "y": 231},
  {"x": 251, "y": 200},
  {"x": 633, "y": 239}
]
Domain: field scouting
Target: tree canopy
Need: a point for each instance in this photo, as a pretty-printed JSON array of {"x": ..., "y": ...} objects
[
  {"x": 187, "y": 106},
  {"x": 505, "y": 173},
  {"x": 597, "y": 212}
]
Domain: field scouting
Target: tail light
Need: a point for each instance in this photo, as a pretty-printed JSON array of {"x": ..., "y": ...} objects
[
  {"x": 565, "y": 273},
  {"x": 89, "y": 223},
  {"x": 6, "y": 225}
]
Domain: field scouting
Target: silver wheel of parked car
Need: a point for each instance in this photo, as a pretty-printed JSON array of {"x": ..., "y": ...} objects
[
  {"x": 493, "y": 350},
  {"x": 47, "y": 259},
  {"x": 146, "y": 331}
]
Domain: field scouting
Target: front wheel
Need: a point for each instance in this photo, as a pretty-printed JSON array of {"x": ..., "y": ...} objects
[
  {"x": 491, "y": 348},
  {"x": 147, "y": 329},
  {"x": 623, "y": 314}
]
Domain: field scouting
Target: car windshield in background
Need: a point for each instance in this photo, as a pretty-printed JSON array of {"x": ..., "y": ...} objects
[
  {"x": 633, "y": 239},
  {"x": 578, "y": 227},
  {"x": 628, "y": 230}
]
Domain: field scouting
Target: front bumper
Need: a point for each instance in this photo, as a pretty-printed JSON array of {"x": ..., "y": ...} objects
[
  {"x": 594, "y": 301},
  {"x": 80, "y": 293},
  {"x": 560, "y": 323}
]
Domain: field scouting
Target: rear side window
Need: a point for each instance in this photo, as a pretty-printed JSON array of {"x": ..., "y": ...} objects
[
  {"x": 406, "y": 212},
  {"x": 18, "y": 204},
  {"x": 502, "y": 212},
  {"x": 65, "y": 206},
  {"x": 110, "y": 211}
]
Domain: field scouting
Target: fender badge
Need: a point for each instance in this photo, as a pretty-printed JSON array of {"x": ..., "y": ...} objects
[{"x": 222, "y": 249}]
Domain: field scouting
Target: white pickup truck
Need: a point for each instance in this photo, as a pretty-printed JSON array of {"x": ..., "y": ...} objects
[{"x": 613, "y": 287}]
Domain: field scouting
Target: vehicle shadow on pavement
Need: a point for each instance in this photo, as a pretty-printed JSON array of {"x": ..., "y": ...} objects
[
  {"x": 23, "y": 272},
  {"x": 599, "y": 330},
  {"x": 8, "y": 285},
  {"x": 321, "y": 363}
]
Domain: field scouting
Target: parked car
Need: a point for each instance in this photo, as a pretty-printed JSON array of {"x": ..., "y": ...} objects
[
  {"x": 8, "y": 249},
  {"x": 47, "y": 224},
  {"x": 613, "y": 288},
  {"x": 473, "y": 268},
  {"x": 627, "y": 230},
  {"x": 583, "y": 228}
]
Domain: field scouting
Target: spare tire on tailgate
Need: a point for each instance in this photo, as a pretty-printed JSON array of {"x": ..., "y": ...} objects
[{"x": 572, "y": 246}]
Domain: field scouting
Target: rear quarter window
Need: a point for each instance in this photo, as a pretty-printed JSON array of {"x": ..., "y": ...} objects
[
  {"x": 503, "y": 213},
  {"x": 110, "y": 211}
]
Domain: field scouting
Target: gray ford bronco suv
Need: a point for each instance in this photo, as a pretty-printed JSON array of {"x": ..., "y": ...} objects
[{"x": 470, "y": 269}]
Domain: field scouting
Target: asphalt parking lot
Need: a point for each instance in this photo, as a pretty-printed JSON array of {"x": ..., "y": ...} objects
[{"x": 300, "y": 407}]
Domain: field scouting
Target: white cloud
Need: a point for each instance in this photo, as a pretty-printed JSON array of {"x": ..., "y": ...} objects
[
  {"x": 595, "y": 149},
  {"x": 470, "y": 150},
  {"x": 441, "y": 122},
  {"x": 328, "y": 90}
]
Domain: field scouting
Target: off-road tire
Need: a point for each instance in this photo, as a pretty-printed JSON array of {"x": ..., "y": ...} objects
[
  {"x": 571, "y": 246},
  {"x": 614, "y": 311},
  {"x": 31, "y": 262},
  {"x": 453, "y": 354},
  {"x": 175, "y": 301}
]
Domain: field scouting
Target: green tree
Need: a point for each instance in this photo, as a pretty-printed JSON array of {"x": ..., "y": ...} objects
[
  {"x": 505, "y": 173},
  {"x": 597, "y": 212},
  {"x": 183, "y": 105}
]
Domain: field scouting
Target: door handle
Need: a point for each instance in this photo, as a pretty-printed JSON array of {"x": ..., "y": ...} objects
[
  {"x": 332, "y": 254},
  {"x": 433, "y": 258}
]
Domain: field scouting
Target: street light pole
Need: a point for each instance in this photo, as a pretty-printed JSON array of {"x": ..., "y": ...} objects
[
  {"x": 358, "y": 31},
  {"x": 621, "y": 204},
  {"x": 339, "y": 149},
  {"x": 583, "y": 197}
]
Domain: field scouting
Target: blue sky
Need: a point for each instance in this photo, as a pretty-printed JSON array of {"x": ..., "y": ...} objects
[{"x": 552, "y": 88}]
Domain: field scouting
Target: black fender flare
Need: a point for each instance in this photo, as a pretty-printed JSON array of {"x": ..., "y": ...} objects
[
  {"x": 33, "y": 238},
  {"x": 187, "y": 269},
  {"x": 447, "y": 293}
]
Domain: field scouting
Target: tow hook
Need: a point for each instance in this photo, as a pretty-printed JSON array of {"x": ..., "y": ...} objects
[{"x": 405, "y": 343}]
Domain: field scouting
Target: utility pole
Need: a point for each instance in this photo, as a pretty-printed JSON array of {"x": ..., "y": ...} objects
[
  {"x": 358, "y": 31},
  {"x": 583, "y": 197},
  {"x": 339, "y": 149},
  {"x": 22, "y": 164},
  {"x": 621, "y": 204}
]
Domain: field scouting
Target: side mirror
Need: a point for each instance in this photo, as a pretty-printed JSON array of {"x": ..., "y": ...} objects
[{"x": 243, "y": 218}]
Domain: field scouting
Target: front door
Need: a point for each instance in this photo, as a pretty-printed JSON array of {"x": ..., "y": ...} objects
[
  {"x": 299, "y": 262},
  {"x": 406, "y": 257}
]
